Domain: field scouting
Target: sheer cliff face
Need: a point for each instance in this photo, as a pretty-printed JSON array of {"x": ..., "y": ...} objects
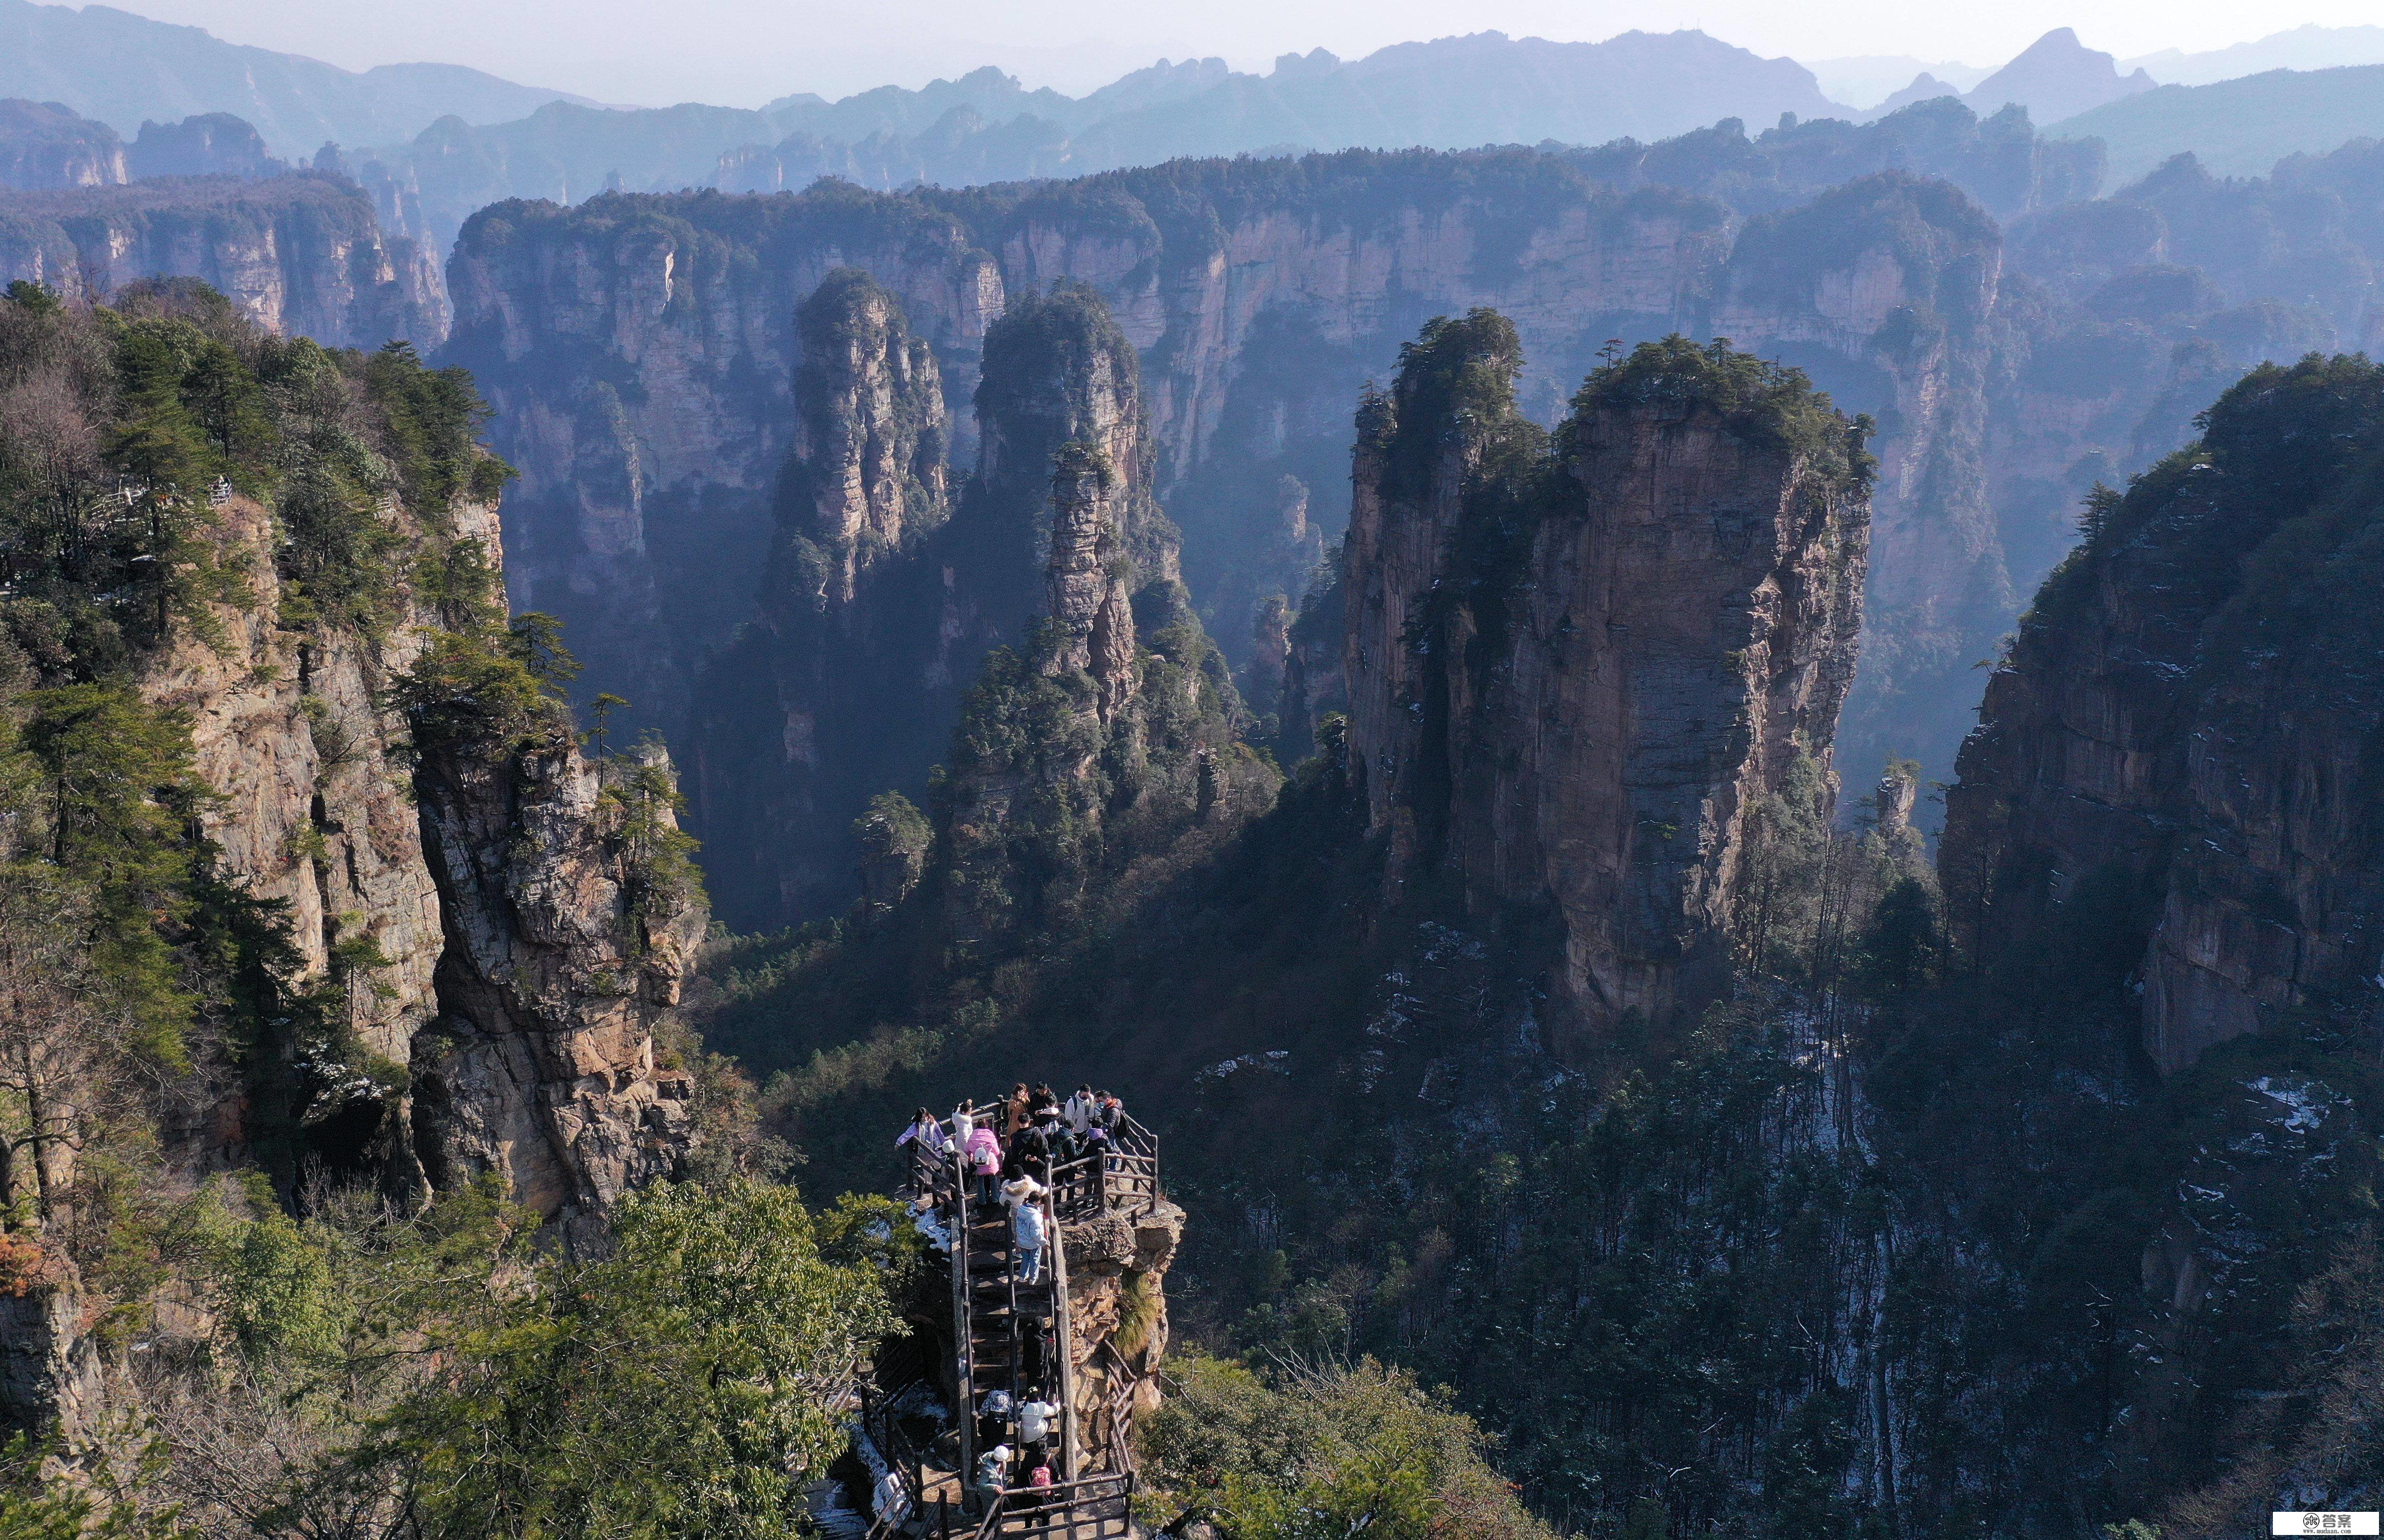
[
  {"x": 842, "y": 691},
  {"x": 868, "y": 472},
  {"x": 45, "y": 145},
  {"x": 826, "y": 698},
  {"x": 1085, "y": 578},
  {"x": 1104, "y": 726},
  {"x": 1064, "y": 472},
  {"x": 2177, "y": 749},
  {"x": 1259, "y": 302},
  {"x": 521, "y": 967},
  {"x": 641, "y": 357},
  {"x": 1572, "y": 672},
  {"x": 1885, "y": 290},
  {"x": 1117, "y": 1318},
  {"x": 540, "y": 1064},
  {"x": 301, "y": 254}
]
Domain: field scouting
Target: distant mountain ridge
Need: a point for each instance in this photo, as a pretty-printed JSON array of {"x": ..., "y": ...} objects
[
  {"x": 1453, "y": 93},
  {"x": 2305, "y": 47},
  {"x": 124, "y": 69},
  {"x": 2241, "y": 127},
  {"x": 2054, "y": 78}
]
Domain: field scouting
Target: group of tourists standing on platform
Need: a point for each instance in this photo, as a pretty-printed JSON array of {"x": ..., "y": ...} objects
[{"x": 1007, "y": 1152}]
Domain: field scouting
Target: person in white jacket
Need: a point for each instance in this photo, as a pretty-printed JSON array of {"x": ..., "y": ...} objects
[{"x": 1035, "y": 1417}]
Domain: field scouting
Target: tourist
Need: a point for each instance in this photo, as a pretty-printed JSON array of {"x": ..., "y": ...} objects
[
  {"x": 963, "y": 1128},
  {"x": 1065, "y": 1143},
  {"x": 1014, "y": 1111},
  {"x": 926, "y": 1131},
  {"x": 993, "y": 1416},
  {"x": 1031, "y": 1150},
  {"x": 1023, "y": 1190},
  {"x": 1040, "y": 1475},
  {"x": 992, "y": 1475},
  {"x": 1027, "y": 1232},
  {"x": 985, "y": 1159},
  {"x": 1035, "y": 1416},
  {"x": 1079, "y": 1111}
]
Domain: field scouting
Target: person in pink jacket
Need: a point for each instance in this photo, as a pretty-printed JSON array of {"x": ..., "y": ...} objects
[{"x": 984, "y": 1161}]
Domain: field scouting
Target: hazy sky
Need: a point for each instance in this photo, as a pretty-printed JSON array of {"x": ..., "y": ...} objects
[{"x": 744, "y": 52}]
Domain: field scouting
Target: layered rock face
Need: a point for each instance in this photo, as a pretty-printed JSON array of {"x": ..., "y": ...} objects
[
  {"x": 1257, "y": 310},
  {"x": 1099, "y": 724},
  {"x": 2175, "y": 752},
  {"x": 1092, "y": 614},
  {"x": 540, "y": 1063},
  {"x": 1117, "y": 1316},
  {"x": 1262, "y": 296},
  {"x": 300, "y": 255},
  {"x": 1572, "y": 670},
  {"x": 515, "y": 961},
  {"x": 868, "y": 474},
  {"x": 643, "y": 514},
  {"x": 291, "y": 728}
]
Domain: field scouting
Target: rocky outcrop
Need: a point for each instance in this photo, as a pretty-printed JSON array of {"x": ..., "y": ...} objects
[
  {"x": 481, "y": 909},
  {"x": 44, "y": 144},
  {"x": 1257, "y": 311},
  {"x": 1091, "y": 614},
  {"x": 2174, "y": 757},
  {"x": 1261, "y": 301},
  {"x": 1262, "y": 296},
  {"x": 51, "y": 1374},
  {"x": 561, "y": 953},
  {"x": 643, "y": 516},
  {"x": 292, "y": 727},
  {"x": 1572, "y": 671},
  {"x": 1099, "y": 724},
  {"x": 1117, "y": 1316},
  {"x": 301, "y": 254},
  {"x": 838, "y": 694},
  {"x": 205, "y": 144},
  {"x": 868, "y": 472}
]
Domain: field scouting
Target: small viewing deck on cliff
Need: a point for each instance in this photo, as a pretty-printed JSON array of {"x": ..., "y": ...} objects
[{"x": 1016, "y": 1415}]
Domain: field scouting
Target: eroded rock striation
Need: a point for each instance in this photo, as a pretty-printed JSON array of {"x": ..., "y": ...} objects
[
  {"x": 1574, "y": 665},
  {"x": 1118, "y": 1328},
  {"x": 1260, "y": 298},
  {"x": 2176, "y": 757},
  {"x": 842, "y": 691},
  {"x": 486, "y": 905},
  {"x": 302, "y": 254}
]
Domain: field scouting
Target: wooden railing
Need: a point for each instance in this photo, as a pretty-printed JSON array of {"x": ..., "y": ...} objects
[
  {"x": 1097, "y": 1507},
  {"x": 880, "y": 1425},
  {"x": 1119, "y": 1177}
]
